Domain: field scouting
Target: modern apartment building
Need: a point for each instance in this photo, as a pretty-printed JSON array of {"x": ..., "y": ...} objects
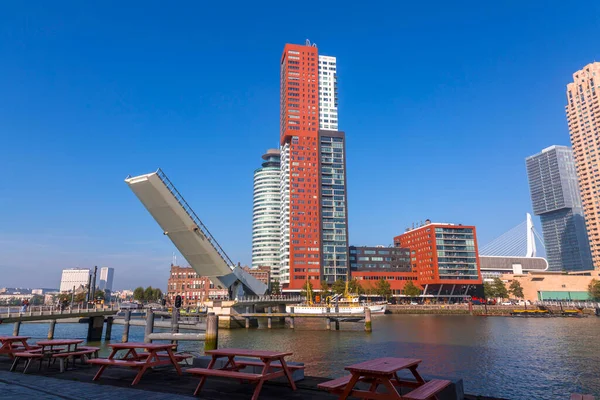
[
  {"x": 583, "y": 115},
  {"x": 313, "y": 218},
  {"x": 73, "y": 279},
  {"x": 266, "y": 210},
  {"x": 555, "y": 197},
  {"x": 106, "y": 278},
  {"x": 444, "y": 257}
]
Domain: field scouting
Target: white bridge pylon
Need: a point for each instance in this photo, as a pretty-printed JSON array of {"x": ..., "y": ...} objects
[
  {"x": 517, "y": 242},
  {"x": 191, "y": 237}
]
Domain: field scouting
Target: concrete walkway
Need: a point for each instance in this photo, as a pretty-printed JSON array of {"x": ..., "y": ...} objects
[{"x": 16, "y": 386}]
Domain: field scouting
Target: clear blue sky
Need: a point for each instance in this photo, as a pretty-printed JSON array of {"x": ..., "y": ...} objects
[{"x": 441, "y": 102}]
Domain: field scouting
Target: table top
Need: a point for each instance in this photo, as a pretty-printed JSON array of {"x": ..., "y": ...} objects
[
  {"x": 59, "y": 342},
  {"x": 139, "y": 345},
  {"x": 385, "y": 365},
  {"x": 248, "y": 353},
  {"x": 13, "y": 338}
]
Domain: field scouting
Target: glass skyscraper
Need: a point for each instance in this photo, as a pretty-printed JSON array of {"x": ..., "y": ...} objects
[{"x": 556, "y": 199}]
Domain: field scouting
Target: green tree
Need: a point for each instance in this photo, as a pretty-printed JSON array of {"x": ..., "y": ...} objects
[
  {"x": 488, "y": 290},
  {"x": 594, "y": 289},
  {"x": 339, "y": 286},
  {"x": 37, "y": 300},
  {"x": 158, "y": 294},
  {"x": 307, "y": 290},
  {"x": 383, "y": 288},
  {"x": 411, "y": 290},
  {"x": 149, "y": 294},
  {"x": 500, "y": 288},
  {"x": 516, "y": 289},
  {"x": 138, "y": 294},
  {"x": 79, "y": 297},
  {"x": 325, "y": 289},
  {"x": 275, "y": 288},
  {"x": 355, "y": 287}
]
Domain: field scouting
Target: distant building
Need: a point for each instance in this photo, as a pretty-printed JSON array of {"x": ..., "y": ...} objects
[
  {"x": 552, "y": 285},
  {"x": 106, "y": 278},
  {"x": 379, "y": 258},
  {"x": 496, "y": 266},
  {"x": 193, "y": 289},
  {"x": 556, "y": 199},
  {"x": 74, "y": 278},
  {"x": 262, "y": 273}
]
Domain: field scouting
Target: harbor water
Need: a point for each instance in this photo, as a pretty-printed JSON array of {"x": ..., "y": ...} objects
[{"x": 513, "y": 358}]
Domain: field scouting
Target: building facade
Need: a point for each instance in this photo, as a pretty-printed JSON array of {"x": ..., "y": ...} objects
[
  {"x": 262, "y": 273},
  {"x": 583, "y": 116},
  {"x": 73, "y": 279},
  {"x": 106, "y": 278},
  {"x": 554, "y": 286},
  {"x": 556, "y": 199},
  {"x": 313, "y": 217},
  {"x": 193, "y": 289},
  {"x": 444, "y": 257},
  {"x": 495, "y": 266},
  {"x": 379, "y": 259},
  {"x": 266, "y": 213}
]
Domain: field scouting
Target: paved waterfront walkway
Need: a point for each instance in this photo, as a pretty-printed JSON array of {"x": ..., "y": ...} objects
[{"x": 16, "y": 386}]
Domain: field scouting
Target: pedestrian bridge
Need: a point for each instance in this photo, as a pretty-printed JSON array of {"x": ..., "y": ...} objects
[{"x": 33, "y": 313}]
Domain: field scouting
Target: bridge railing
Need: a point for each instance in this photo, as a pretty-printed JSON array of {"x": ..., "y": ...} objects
[
  {"x": 270, "y": 299},
  {"x": 16, "y": 311},
  {"x": 568, "y": 303}
]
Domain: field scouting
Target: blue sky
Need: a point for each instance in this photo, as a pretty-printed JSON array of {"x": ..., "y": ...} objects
[{"x": 441, "y": 102}]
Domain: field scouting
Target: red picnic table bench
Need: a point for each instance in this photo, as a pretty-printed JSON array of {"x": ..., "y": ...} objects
[
  {"x": 63, "y": 350},
  {"x": 156, "y": 355},
  {"x": 11, "y": 344},
  {"x": 384, "y": 371},
  {"x": 272, "y": 362}
]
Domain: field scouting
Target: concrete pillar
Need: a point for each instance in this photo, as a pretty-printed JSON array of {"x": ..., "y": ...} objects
[
  {"x": 337, "y": 325},
  {"x": 292, "y": 318},
  {"x": 51, "y": 329},
  {"x": 95, "y": 327},
  {"x": 328, "y": 323},
  {"x": 470, "y": 308},
  {"x": 109, "y": 324},
  {"x": 247, "y": 318},
  {"x": 16, "y": 328},
  {"x": 269, "y": 319},
  {"x": 368, "y": 326},
  {"x": 125, "y": 337},
  {"x": 212, "y": 332},
  {"x": 149, "y": 326},
  {"x": 175, "y": 320}
]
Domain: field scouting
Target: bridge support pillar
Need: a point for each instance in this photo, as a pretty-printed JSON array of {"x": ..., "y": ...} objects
[
  {"x": 247, "y": 318},
  {"x": 95, "y": 327},
  {"x": 149, "y": 325},
  {"x": 337, "y": 325},
  {"x": 16, "y": 328},
  {"x": 51, "y": 329},
  {"x": 292, "y": 318},
  {"x": 211, "y": 341},
  {"x": 368, "y": 326},
  {"x": 269, "y": 319},
  {"x": 109, "y": 324},
  {"x": 125, "y": 337},
  {"x": 328, "y": 322}
]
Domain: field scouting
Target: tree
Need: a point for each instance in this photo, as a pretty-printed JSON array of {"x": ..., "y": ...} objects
[
  {"x": 37, "y": 300},
  {"x": 158, "y": 294},
  {"x": 339, "y": 286},
  {"x": 275, "y": 288},
  {"x": 355, "y": 287},
  {"x": 500, "y": 288},
  {"x": 79, "y": 297},
  {"x": 488, "y": 290},
  {"x": 307, "y": 290},
  {"x": 325, "y": 289},
  {"x": 138, "y": 294},
  {"x": 516, "y": 289},
  {"x": 594, "y": 289},
  {"x": 149, "y": 294},
  {"x": 99, "y": 295},
  {"x": 411, "y": 290},
  {"x": 383, "y": 288}
]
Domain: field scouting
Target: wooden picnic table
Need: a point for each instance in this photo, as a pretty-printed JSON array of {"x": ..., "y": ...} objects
[
  {"x": 58, "y": 345},
  {"x": 10, "y": 344},
  {"x": 134, "y": 360},
  {"x": 272, "y": 362}
]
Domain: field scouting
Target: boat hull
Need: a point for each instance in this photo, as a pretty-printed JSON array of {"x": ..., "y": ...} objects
[{"x": 350, "y": 310}]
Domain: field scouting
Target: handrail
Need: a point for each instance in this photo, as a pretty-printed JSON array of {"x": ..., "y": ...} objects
[{"x": 190, "y": 212}]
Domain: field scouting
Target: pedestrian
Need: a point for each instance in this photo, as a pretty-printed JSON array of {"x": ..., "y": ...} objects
[{"x": 23, "y": 306}]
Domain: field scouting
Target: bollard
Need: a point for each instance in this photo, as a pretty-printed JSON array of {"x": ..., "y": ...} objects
[
  {"x": 125, "y": 337},
  {"x": 337, "y": 325},
  {"x": 269, "y": 319},
  {"x": 149, "y": 326},
  {"x": 368, "y": 326},
  {"x": 211, "y": 341},
  {"x": 175, "y": 320},
  {"x": 16, "y": 328},
  {"x": 247, "y": 318},
  {"x": 470, "y": 308},
  {"x": 109, "y": 323},
  {"x": 51, "y": 329},
  {"x": 292, "y": 318},
  {"x": 328, "y": 323}
]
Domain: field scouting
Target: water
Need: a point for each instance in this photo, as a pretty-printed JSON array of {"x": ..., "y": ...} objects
[{"x": 514, "y": 358}]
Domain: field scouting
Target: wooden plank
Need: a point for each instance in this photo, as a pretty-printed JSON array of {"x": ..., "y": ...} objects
[
  {"x": 385, "y": 365},
  {"x": 275, "y": 364},
  {"x": 427, "y": 390},
  {"x": 248, "y": 353},
  {"x": 123, "y": 363},
  {"x": 224, "y": 373},
  {"x": 335, "y": 383}
]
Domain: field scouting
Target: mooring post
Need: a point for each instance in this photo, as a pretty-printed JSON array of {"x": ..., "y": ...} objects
[
  {"x": 337, "y": 324},
  {"x": 247, "y": 318},
  {"x": 175, "y": 320},
  {"x": 16, "y": 328},
  {"x": 328, "y": 323},
  {"x": 470, "y": 307},
  {"x": 368, "y": 326},
  {"x": 109, "y": 323},
  {"x": 125, "y": 337},
  {"x": 149, "y": 326},
  {"x": 211, "y": 341},
  {"x": 269, "y": 319},
  {"x": 51, "y": 329},
  {"x": 292, "y": 318}
]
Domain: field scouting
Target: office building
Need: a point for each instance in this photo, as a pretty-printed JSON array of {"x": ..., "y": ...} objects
[
  {"x": 555, "y": 198},
  {"x": 106, "y": 279},
  {"x": 583, "y": 115},
  {"x": 496, "y": 266},
  {"x": 313, "y": 217},
  {"x": 266, "y": 210},
  {"x": 74, "y": 279},
  {"x": 444, "y": 257},
  {"x": 379, "y": 258}
]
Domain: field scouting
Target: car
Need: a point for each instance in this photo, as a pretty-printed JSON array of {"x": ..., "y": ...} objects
[
  {"x": 414, "y": 303},
  {"x": 506, "y": 303}
]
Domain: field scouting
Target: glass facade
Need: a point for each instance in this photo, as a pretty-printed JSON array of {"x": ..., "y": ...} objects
[
  {"x": 334, "y": 217},
  {"x": 377, "y": 259},
  {"x": 456, "y": 253}
]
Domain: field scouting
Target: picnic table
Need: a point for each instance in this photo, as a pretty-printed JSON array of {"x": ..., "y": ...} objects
[
  {"x": 11, "y": 344},
  {"x": 156, "y": 355},
  {"x": 384, "y": 371},
  {"x": 272, "y": 362}
]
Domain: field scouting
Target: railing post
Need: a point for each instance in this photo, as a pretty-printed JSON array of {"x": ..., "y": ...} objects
[
  {"x": 149, "y": 326},
  {"x": 125, "y": 337},
  {"x": 8, "y": 310},
  {"x": 211, "y": 341}
]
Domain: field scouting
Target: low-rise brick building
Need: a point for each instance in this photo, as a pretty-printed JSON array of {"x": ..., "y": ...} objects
[{"x": 193, "y": 288}]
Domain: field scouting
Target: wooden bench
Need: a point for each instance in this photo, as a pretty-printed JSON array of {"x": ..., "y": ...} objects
[
  {"x": 118, "y": 363},
  {"x": 72, "y": 355},
  {"x": 28, "y": 356},
  {"x": 178, "y": 357},
  {"x": 428, "y": 390},
  {"x": 221, "y": 373},
  {"x": 96, "y": 349},
  {"x": 276, "y": 364},
  {"x": 335, "y": 385},
  {"x": 577, "y": 396}
]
